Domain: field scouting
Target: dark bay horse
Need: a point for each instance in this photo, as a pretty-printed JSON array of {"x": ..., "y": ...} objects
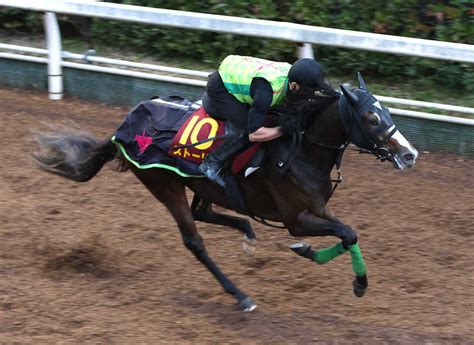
[{"x": 298, "y": 198}]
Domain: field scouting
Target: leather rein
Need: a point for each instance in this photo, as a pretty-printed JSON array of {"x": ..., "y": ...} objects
[{"x": 340, "y": 153}]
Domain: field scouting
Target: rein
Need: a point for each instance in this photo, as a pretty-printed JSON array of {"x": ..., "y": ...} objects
[{"x": 340, "y": 153}]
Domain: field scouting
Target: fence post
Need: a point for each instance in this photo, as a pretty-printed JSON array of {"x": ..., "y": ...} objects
[
  {"x": 305, "y": 50},
  {"x": 53, "y": 39}
]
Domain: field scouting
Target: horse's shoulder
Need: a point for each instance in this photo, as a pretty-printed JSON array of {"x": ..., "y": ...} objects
[{"x": 281, "y": 152}]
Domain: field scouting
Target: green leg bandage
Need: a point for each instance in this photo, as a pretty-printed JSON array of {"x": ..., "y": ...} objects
[
  {"x": 327, "y": 254},
  {"x": 358, "y": 264}
]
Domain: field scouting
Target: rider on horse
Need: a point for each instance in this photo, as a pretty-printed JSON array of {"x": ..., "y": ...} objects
[{"x": 242, "y": 92}]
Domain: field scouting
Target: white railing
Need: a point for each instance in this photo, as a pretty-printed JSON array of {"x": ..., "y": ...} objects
[
  {"x": 254, "y": 27},
  {"x": 241, "y": 26}
]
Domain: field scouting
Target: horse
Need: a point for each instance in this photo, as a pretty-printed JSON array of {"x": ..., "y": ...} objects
[{"x": 297, "y": 198}]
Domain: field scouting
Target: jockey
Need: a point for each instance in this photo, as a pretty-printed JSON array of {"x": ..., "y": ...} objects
[{"x": 242, "y": 92}]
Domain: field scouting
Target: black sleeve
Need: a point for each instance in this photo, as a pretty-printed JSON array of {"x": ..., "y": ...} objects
[{"x": 262, "y": 95}]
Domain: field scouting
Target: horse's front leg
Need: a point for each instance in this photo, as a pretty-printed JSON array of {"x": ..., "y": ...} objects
[{"x": 308, "y": 224}]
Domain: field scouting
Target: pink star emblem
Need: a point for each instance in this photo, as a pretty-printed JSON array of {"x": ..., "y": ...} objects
[{"x": 143, "y": 141}]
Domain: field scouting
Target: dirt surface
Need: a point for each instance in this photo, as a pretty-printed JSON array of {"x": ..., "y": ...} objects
[{"x": 103, "y": 262}]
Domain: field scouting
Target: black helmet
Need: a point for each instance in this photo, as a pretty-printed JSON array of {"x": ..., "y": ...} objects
[{"x": 307, "y": 72}]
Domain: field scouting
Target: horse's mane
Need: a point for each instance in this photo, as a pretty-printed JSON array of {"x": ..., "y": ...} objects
[{"x": 297, "y": 112}]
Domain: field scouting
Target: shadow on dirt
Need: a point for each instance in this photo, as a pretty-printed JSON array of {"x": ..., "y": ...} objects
[{"x": 85, "y": 258}]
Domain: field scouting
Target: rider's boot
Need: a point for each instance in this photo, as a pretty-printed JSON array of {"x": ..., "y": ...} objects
[{"x": 214, "y": 162}]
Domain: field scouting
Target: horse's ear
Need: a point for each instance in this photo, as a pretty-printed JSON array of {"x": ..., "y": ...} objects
[
  {"x": 361, "y": 82},
  {"x": 350, "y": 96}
]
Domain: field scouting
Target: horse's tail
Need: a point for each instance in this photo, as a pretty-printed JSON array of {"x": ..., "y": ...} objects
[{"x": 72, "y": 153}]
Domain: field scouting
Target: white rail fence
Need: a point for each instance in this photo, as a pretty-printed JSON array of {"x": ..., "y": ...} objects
[{"x": 56, "y": 58}]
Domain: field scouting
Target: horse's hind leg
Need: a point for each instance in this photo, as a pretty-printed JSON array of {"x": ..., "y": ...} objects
[
  {"x": 203, "y": 212},
  {"x": 169, "y": 189}
]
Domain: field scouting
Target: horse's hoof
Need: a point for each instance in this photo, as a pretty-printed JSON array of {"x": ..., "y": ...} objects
[
  {"x": 359, "y": 285},
  {"x": 248, "y": 249},
  {"x": 248, "y": 245},
  {"x": 303, "y": 249},
  {"x": 247, "y": 304}
]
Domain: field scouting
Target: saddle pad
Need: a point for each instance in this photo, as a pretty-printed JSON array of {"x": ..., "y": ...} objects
[{"x": 146, "y": 134}]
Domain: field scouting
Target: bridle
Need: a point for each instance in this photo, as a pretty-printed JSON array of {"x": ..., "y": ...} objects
[
  {"x": 351, "y": 112},
  {"x": 376, "y": 145},
  {"x": 378, "y": 149}
]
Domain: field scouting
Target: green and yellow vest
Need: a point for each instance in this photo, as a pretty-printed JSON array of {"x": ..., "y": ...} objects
[{"x": 237, "y": 73}]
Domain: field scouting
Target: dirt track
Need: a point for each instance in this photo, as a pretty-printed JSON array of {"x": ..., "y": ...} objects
[{"x": 103, "y": 262}]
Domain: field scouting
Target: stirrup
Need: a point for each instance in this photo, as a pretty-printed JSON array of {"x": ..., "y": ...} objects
[
  {"x": 218, "y": 180},
  {"x": 212, "y": 174}
]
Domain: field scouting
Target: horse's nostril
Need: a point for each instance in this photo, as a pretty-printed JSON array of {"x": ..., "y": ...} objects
[{"x": 409, "y": 157}]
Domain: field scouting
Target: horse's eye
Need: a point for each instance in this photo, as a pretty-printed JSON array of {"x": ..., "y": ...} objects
[{"x": 374, "y": 120}]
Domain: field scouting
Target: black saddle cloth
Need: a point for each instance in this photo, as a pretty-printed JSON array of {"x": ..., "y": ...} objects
[{"x": 146, "y": 133}]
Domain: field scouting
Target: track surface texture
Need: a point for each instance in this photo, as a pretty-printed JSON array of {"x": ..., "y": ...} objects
[{"x": 103, "y": 262}]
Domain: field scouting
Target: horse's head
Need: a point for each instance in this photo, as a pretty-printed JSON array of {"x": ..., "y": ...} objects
[{"x": 370, "y": 127}]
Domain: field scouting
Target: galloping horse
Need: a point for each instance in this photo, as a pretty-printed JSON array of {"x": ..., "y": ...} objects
[{"x": 298, "y": 198}]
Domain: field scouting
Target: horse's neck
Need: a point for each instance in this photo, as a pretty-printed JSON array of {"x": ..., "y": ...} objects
[
  {"x": 326, "y": 130},
  {"x": 328, "y": 127}
]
